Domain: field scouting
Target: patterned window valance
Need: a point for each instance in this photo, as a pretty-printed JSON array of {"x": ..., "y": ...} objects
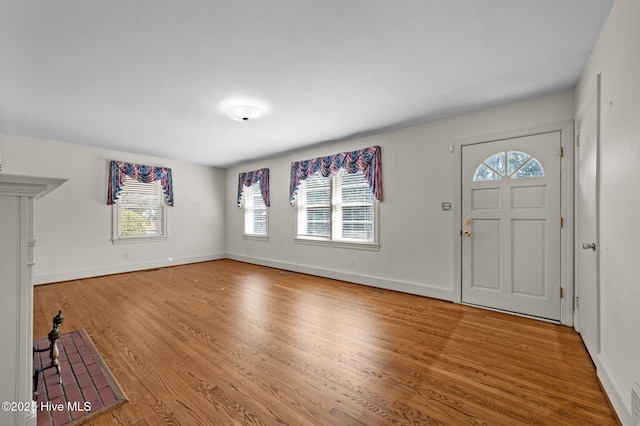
[
  {"x": 249, "y": 178},
  {"x": 366, "y": 160},
  {"x": 119, "y": 170}
]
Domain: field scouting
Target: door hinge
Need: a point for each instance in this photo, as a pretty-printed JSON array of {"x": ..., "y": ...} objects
[
  {"x": 561, "y": 222},
  {"x": 561, "y": 152},
  {"x": 561, "y": 293},
  {"x": 577, "y": 302},
  {"x": 578, "y": 140}
]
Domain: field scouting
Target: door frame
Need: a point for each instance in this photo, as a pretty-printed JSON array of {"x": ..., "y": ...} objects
[{"x": 566, "y": 129}]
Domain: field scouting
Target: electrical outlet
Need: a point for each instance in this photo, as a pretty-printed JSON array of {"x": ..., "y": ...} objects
[
  {"x": 126, "y": 256},
  {"x": 635, "y": 404}
]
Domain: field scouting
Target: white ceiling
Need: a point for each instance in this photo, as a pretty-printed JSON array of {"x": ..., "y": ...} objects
[{"x": 148, "y": 76}]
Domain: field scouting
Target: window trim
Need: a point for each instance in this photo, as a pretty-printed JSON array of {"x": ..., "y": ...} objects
[
  {"x": 375, "y": 246},
  {"x": 255, "y": 237},
  {"x": 116, "y": 238},
  {"x": 328, "y": 241}
]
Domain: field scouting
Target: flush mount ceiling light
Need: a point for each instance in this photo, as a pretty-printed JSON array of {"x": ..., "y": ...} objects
[
  {"x": 244, "y": 112},
  {"x": 242, "y": 109}
]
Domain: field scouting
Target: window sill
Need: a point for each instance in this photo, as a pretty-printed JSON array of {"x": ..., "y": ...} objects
[
  {"x": 255, "y": 237},
  {"x": 340, "y": 244},
  {"x": 135, "y": 240}
]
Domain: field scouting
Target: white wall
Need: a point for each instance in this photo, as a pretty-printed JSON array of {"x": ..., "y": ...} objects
[
  {"x": 617, "y": 57},
  {"x": 420, "y": 260},
  {"x": 72, "y": 227}
]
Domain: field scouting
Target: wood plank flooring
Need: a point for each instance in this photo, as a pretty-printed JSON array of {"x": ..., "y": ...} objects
[{"x": 228, "y": 343}]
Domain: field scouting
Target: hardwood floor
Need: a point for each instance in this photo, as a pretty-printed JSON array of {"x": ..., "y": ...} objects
[{"x": 224, "y": 343}]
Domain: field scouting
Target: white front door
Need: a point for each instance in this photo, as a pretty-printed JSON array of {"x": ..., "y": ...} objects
[
  {"x": 587, "y": 313},
  {"x": 511, "y": 225}
]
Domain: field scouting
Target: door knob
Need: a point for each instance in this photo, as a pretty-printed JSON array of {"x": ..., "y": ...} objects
[
  {"x": 587, "y": 246},
  {"x": 467, "y": 233}
]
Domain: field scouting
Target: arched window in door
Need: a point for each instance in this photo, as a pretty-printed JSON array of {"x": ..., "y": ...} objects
[{"x": 512, "y": 164}]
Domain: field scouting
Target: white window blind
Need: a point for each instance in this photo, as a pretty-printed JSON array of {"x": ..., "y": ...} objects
[
  {"x": 255, "y": 211},
  {"x": 354, "y": 207},
  {"x": 140, "y": 212},
  {"x": 314, "y": 207},
  {"x": 340, "y": 208}
]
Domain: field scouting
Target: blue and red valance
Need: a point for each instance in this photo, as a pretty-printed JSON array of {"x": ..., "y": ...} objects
[
  {"x": 366, "y": 160},
  {"x": 255, "y": 176},
  {"x": 119, "y": 170}
]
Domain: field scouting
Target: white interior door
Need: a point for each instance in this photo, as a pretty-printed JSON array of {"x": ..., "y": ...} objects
[
  {"x": 587, "y": 313},
  {"x": 511, "y": 225}
]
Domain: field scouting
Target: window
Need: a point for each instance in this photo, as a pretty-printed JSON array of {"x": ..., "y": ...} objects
[
  {"x": 255, "y": 211},
  {"x": 314, "y": 208},
  {"x": 518, "y": 165},
  {"x": 337, "y": 209},
  {"x": 140, "y": 213}
]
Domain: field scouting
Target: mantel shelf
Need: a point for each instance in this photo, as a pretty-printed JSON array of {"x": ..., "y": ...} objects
[{"x": 28, "y": 186}]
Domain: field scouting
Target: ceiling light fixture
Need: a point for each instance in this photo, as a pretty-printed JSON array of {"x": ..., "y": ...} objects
[
  {"x": 244, "y": 112},
  {"x": 242, "y": 109}
]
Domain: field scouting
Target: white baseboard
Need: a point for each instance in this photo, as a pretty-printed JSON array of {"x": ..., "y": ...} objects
[
  {"x": 620, "y": 399},
  {"x": 385, "y": 283},
  {"x": 118, "y": 269},
  {"x": 420, "y": 289}
]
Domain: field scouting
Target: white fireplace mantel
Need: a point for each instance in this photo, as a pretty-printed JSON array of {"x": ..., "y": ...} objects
[
  {"x": 27, "y": 186},
  {"x": 16, "y": 290}
]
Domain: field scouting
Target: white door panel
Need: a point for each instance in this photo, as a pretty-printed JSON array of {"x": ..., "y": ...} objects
[
  {"x": 511, "y": 225},
  {"x": 587, "y": 286},
  {"x": 528, "y": 261},
  {"x": 485, "y": 245}
]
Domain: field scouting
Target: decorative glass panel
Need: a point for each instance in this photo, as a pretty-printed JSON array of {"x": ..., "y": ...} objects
[
  {"x": 496, "y": 162},
  {"x": 519, "y": 165},
  {"x": 532, "y": 169},
  {"x": 485, "y": 173},
  {"x": 515, "y": 160}
]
